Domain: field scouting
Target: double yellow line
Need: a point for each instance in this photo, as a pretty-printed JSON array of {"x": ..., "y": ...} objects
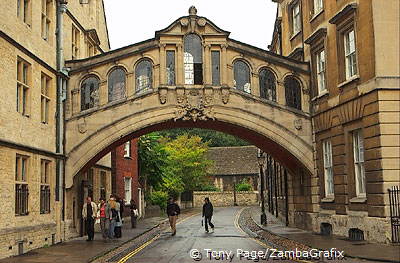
[{"x": 137, "y": 250}]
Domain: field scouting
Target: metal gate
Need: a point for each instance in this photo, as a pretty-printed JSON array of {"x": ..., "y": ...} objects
[{"x": 394, "y": 200}]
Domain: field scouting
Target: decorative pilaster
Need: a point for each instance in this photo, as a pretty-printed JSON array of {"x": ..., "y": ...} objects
[
  {"x": 224, "y": 73},
  {"x": 179, "y": 73},
  {"x": 163, "y": 67},
  {"x": 207, "y": 64}
]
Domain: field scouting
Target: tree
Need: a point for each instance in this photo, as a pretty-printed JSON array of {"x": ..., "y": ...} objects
[{"x": 186, "y": 163}]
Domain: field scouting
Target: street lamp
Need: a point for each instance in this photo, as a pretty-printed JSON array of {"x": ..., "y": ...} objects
[{"x": 261, "y": 160}]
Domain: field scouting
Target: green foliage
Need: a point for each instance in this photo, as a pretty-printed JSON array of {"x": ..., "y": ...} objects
[
  {"x": 214, "y": 138},
  {"x": 243, "y": 186},
  {"x": 209, "y": 188},
  {"x": 151, "y": 159},
  {"x": 187, "y": 163},
  {"x": 159, "y": 198}
]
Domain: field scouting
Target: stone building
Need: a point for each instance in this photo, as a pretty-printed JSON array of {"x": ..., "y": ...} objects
[
  {"x": 233, "y": 165},
  {"x": 31, "y": 137},
  {"x": 353, "y": 49}
]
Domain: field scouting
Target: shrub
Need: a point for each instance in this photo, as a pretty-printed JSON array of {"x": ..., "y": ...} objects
[
  {"x": 159, "y": 198},
  {"x": 209, "y": 188},
  {"x": 244, "y": 186}
]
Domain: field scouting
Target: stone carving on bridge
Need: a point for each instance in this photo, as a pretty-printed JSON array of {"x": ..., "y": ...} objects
[
  {"x": 195, "y": 104},
  {"x": 162, "y": 94},
  {"x": 225, "y": 94},
  {"x": 82, "y": 126},
  {"x": 298, "y": 124},
  {"x": 193, "y": 21}
]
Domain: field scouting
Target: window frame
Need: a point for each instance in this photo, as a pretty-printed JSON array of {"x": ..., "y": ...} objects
[
  {"x": 215, "y": 68},
  {"x": 150, "y": 78},
  {"x": 128, "y": 192},
  {"x": 197, "y": 67},
  {"x": 24, "y": 11},
  {"x": 24, "y": 80},
  {"x": 248, "y": 91},
  {"x": 359, "y": 163},
  {"x": 45, "y": 176},
  {"x": 46, "y": 18},
  {"x": 111, "y": 84},
  {"x": 287, "y": 101},
  {"x": 127, "y": 150},
  {"x": 316, "y": 11},
  {"x": 295, "y": 17},
  {"x": 273, "y": 95},
  {"x": 45, "y": 99},
  {"x": 170, "y": 73},
  {"x": 350, "y": 56},
  {"x": 320, "y": 73},
  {"x": 329, "y": 185},
  {"x": 21, "y": 185},
  {"x": 96, "y": 101}
]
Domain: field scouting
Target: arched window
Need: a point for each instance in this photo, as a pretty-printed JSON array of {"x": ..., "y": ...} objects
[
  {"x": 267, "y": 85},
  {"x": 144, "y": 76},
  {"x": 89, "y": 93},
  {"x": 242, "y": 76},
  {"x": 193, "y": 60},
  {"x": 116, "y": 84},
  {"x": 292, "y": 92}
]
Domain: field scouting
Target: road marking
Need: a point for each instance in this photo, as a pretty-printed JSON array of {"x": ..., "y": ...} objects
[
  {"x": 236, "y": 223},
  {"x": 137, "y": 250}
]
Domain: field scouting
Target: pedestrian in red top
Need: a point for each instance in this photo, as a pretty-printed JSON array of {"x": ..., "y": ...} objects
[{"x": 103, "y": 218}]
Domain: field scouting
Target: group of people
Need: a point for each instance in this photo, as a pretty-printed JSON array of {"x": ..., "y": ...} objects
[
  {"x": 173, "y": 211},
  {"x": 109, "y": 215}
]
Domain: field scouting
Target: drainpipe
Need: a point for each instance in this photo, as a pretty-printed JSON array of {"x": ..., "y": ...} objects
[{"x": 61, "y": 96}]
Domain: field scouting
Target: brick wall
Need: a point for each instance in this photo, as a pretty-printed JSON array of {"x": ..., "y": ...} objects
[{"x": 125, "y": 167}]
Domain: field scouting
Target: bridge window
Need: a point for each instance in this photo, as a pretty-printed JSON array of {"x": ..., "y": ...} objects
[
  {"x": 267, "y": 85},
  {"x": 193, "y": 60},
  {"x": 293, "y": 93},
  {"x": 89, "y": 93},
  {"x": 215, "y": 62},
  {"x": 170, "y": 67},
  {"x": 242, "y": 76},
  {"x": 116, "y": 84},
  {"x": 144, "y": 76}
]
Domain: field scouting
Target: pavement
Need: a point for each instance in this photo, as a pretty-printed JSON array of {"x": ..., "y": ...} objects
[
  {"x": 79, "y": 250},
  {"x": 228, "y": 243},
  {"x": 353, "y": 249}
]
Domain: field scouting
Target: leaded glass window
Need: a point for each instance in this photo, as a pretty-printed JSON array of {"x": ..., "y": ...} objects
[
  {"x": 215, "y": 64},
  {"x": 89, "y": 93},
  {"x": 292, "y": 93},
  {"x": 170, "y": 67},
  {"x": 144, "y": 76},
  {"x": 116, "y": 84},
  {"x": 267, "y": 85},
  {"x": 242, "y": 76},
  {"x": 193, "y": 60}
]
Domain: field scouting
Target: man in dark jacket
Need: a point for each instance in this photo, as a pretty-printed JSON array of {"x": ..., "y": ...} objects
[
  {"x": 207, "y": 214},
  {"x": 173, "y": 211}
]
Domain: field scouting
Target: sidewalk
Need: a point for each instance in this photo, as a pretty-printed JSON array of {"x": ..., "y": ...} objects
[
  {"x": 354, "y": 249},
  {"x": 79, "y": 250}
]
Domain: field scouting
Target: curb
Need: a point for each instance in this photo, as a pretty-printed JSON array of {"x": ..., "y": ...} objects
[
  {"x": 346, "y": 255},
  {"x": 103, "y": 253}
]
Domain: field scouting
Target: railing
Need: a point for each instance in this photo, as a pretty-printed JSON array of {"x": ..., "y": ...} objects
[
  {"x": 21, "y": 199},
  {"x": 394, "y": 201}
]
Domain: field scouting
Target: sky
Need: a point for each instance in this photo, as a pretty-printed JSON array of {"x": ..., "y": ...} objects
[{"x": 132, "y": 21}]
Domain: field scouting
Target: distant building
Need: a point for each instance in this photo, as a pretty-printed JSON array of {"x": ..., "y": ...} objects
[{"x": 232, "y": 165}]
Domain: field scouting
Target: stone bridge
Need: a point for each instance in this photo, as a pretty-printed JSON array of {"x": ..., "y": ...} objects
[{"x": 190, "y": 75}]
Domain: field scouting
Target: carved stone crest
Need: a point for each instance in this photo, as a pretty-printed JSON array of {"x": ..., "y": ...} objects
[
  {"x": 192, "y": 105},
  {"x": 193, "y": 20},
  {"x": 225, "y": 94},
  {"x": 82, "y": 126},
  {"x": 162, "y": 94},
  {"x": 298, "y": 124}
]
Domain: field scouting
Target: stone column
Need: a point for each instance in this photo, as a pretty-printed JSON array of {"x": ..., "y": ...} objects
[
  {"x": 75, "y": 100},
  {"x": 163, "y": 67},
  {"x": 103, "y": 93},
  {"x": 280, "y": 93},
  {"x": 179, "y": 66},
  {"x": 255, "y": 89},
  {"x": 207, "y": 64},
  {"x": 224, "y": 66},
  {"x": 130, "y": 84}
]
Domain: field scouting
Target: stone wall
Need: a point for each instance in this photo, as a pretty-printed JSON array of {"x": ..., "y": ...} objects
[{"x": 226, "y": 198}]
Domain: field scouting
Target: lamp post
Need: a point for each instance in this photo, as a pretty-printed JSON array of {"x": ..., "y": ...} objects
[{"x": 261, "y": 159}]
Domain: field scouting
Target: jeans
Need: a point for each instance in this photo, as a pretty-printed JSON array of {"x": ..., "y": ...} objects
[
  {"x": 207, "y": 220},
  {"x": 103, "y": 226},
  {"x": 111, "y": 228}
]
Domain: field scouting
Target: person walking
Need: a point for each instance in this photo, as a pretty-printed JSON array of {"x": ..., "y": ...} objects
[
  {"x": 119, "y": 222},
  {"x": 89, "y": 213},
  {"x": 113, "y": 216},
  {"x": 173, "y": 211},
  {"x": 134, "y": 213},
  {"x": 104, "y": 217},
  {"x": 207, "y": 214}
]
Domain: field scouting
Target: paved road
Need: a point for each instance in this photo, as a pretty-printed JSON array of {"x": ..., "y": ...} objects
[{"x": 191, "y": 235}]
